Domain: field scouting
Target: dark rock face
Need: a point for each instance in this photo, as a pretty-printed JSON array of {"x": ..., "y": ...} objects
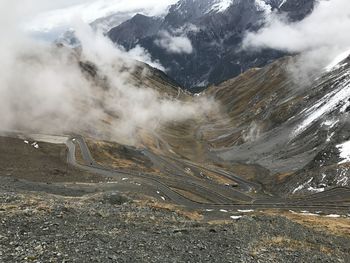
[
  {"x": 297, "y": 9},
  {"x": 139, "y": 27},
  {"x": 216, "y": 40}
]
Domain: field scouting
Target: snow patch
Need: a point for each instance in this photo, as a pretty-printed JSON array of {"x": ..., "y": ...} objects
[
  {"x": 316, "y": 190},
  {"x": 330, "y": 136},
  {"x": 235, "y": 217},
  {"x": 220, "y": 6},
  {"x": 342, "y": 176},
  {"x": 35, "y": 145},
  {"x": 309, "y": 214},
  {"x": 302, "y": 186},
  {"x": 330, "y": 123},
  {"x": 245, "y": 211},
  {"x": 327, "y": 104},
  {"x": 344, "y": 149},
  {"x": 282, "y": 3},
  {"x": 333, "y": 216},
  {"x": 341, "y": 57}
]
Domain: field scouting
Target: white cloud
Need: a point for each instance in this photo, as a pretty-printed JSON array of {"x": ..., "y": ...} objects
[
  {"x": 61, "y": 13},
  {"x": 141, "y": 54},
  {"x": 43, "y": 88},
  {"x": 319, "y": 37},
  {"x": 174, "y": 44}
]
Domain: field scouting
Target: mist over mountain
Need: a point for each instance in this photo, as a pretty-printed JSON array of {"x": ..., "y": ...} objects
[
  {"x": 108, "y": 152},
  {"x": 58, "y": 16},
  {"x": 200, "y": 42}
]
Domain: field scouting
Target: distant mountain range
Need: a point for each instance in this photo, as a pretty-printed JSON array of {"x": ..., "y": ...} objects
[{"x": 198, "y": 41}]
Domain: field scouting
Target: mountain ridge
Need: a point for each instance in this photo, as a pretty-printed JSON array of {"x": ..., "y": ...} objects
[{"x": 216, "y": 37}]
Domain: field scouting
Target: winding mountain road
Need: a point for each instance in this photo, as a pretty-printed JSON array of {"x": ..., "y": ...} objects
[{"x": 337, "y": 199}]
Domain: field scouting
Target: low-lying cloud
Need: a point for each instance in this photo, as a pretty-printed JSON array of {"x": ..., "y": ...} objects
[
  {"x": 44, "y": 89},
  {"x": 320, "y": 37},
  {"x": 174, "y": 44},
  {"x": 140, "y": 54},
  {"x": 176, "y": 41}
]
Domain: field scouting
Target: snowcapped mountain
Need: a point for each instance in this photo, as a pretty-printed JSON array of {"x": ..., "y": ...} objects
[
  {"x": 217, "y": 6},
  {"x": 202, "y": 7},
  {"x": 209, "y": 34}
]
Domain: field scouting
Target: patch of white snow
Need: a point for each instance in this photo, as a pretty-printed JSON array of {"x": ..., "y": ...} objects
[
  {"x": 220, "y": 6},
  {"x": 324, "y": 106},
  {"x": 333, "y": 216},
  {"x": 282, "y": 3},
  {"x": 245, "y": 211},
  {"x": 330, "y": 123},
  {"x": 344, "y": 149},
  {"x": 316, "y": 190},
  {"x": 35, "y": 145},
  {"x": 235, "y": 217},
  {"x": 302, "y": 186},
  {"x": 337, "y": 60},
  {"x": 309, "y": 214}
]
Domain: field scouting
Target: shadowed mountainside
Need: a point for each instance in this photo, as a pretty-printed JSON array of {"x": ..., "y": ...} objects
[{"x": 215, "y": 31}]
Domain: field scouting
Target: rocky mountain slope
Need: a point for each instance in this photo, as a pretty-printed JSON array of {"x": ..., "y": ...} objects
[
  {"x": 298, "y": 133},
  {"x": 293, "y": 139},
  {"x": 214, "y": 29}
]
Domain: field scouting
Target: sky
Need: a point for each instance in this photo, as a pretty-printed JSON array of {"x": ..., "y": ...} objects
[{"x": 57, "y": 15}]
